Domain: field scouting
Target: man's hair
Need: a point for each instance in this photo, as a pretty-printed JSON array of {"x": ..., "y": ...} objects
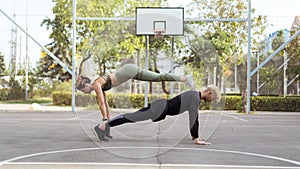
[
  {"x": 81, "y": 80},
  {"x": 216, "y": 92}
]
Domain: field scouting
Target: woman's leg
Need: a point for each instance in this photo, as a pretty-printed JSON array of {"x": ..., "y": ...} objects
[
  {"x": 126, "y": 72},
  {"x": 131, "y": 71},
  {"x": 146, "y": 75}
]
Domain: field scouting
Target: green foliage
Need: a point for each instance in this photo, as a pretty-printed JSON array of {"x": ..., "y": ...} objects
[
  {"x": 293, "y": 51},
  {"x": 62, "y": 94},
  {"x": 43, "y": 89},
  {"x": 258, "y": 103},
  {"x": 114, "y": 100},
  {"x": 85, "y": 100},
  {"x": 61, "y": 27},
  {"x": 272, "y": 103},
  {"x": 63, "y": 86},
  {"x": 4, "y": 94},
  {"x": 234, "y": 103},
  {"x": 15, "y": 89},
  {"x": 3, "y": 71},
  {"x": 62, "y": 98},
  {"x": 268, "y": 75},
  {"x": 227, "y": 40},
  {"x": 105, "y": 42},
  {"x": 110, "y": 42}
]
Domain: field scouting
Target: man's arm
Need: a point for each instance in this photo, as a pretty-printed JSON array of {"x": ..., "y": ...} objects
[{"x": 193, "y": 118}]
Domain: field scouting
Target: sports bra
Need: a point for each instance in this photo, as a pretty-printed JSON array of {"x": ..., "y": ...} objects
[{"x": 107, "y": 85}]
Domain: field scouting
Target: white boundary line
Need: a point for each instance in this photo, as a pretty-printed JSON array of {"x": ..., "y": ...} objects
[
  {"x": 238, "y": 118},
  {"x": 174, "y": 148},
  {"x": 151, "y": 165}
]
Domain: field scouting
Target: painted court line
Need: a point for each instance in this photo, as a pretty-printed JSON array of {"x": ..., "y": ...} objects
[
  {"x": 174, "y": 148},
  {"x": 237, "y": 118},
  {"x": 129, "y": 165},
  {"x": 77, "y": 116}
]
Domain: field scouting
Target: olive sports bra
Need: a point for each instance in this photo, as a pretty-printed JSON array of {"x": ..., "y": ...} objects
[{"x": 107, "y": 85}]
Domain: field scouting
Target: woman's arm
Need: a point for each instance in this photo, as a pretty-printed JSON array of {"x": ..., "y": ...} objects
[
  {"x": 101, "y": 98},
  {"x": 106, "y": 106}
]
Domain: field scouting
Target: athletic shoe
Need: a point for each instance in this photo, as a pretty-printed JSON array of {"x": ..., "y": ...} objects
[
  {"x": 107, "y": 131},
  {"x": 190, "y": 81},
  {"x": 99, "y": 134}
]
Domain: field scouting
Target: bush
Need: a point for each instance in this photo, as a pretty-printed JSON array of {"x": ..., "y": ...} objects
[
  {"x": 62, "y": 98},
  {"x": 272, "y": 103},
  {"x": 85, "y": 100},
  {"x": 43, "y": 89},
  {"x": 15, "y": 90},
  {"x": 258, "y": 103},
  {"x": 3, "y": 94},
  {"x": 65, "y": 86}
]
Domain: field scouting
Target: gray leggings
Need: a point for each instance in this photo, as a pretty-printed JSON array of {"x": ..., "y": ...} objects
[{"x": 131, "y": 71}]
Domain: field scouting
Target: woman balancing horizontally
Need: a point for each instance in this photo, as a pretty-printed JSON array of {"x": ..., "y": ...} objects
[{"x": 126, "y": 72}]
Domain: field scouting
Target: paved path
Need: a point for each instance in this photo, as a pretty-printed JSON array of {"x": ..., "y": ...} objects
[{"x": 32, "y": 107}]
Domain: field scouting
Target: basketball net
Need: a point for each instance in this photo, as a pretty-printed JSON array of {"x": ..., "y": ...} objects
[{"x": 159, "y": 33}]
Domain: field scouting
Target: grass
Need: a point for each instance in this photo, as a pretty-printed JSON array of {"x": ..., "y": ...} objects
[{"x": 29, "y": 101}]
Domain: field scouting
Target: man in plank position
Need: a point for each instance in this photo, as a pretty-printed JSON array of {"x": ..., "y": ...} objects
[{"x": 158, "y": 110}]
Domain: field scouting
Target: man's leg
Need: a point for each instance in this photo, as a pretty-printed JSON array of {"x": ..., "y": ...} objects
[{"x": 140, "y": 115}]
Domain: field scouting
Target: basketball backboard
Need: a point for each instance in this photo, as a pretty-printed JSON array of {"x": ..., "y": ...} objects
[{"x": 166, "y": 21}]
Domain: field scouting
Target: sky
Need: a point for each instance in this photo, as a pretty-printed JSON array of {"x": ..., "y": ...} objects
[{"x": 280, "y": 13}]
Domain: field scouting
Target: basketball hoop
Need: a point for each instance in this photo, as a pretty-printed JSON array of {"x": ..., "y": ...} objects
[{"x": 159, "y": 33}]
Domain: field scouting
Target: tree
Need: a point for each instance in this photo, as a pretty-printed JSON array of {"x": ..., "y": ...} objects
[
  {"x": 293, "y": 51},
  {"x": 229, "y": 39},
  {"x": 114, "y": 41},
  {"x": 15, "y": 89},
  {"x": 269, "y": 75},
  {"x": 106, "y": 42},
  {"x": 61, "y": 27},
  {"x": 3, "y": 70}
]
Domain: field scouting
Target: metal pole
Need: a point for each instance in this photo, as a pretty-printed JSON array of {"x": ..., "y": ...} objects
[
  {"x": 172, "y": 66},
  {"x": 146, "y": 67},
  {"x": 40, "y": 45},
  {"x": 73, "y": 53},
  {"x": 257, "y": 75},
  {"x": 249, "y": 58},
  {"x": 235, "y": 73},
  {"x": 26, "y": 57},
  {"x": 275, "y": 53},
  {"x": 298, "y": 88},
  {"x": 284, "y": 73},
  {"x": 292, "y": 81},
  {"x": 186, "y": 19}
]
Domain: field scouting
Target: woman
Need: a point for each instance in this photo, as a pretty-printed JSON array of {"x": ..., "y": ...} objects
[{"x": 126, "y": 72}]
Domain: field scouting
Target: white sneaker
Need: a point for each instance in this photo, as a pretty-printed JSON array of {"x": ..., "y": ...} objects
[{"x": 190, "y": 81}]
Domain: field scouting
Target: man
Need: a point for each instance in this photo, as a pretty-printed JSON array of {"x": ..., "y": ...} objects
[{"x": 158, "y": 110}]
